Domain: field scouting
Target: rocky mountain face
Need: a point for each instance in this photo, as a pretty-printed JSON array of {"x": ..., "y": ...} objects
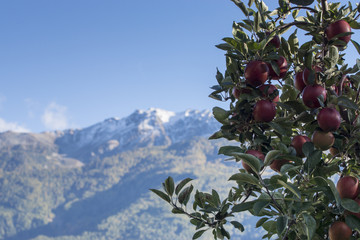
[{"x": 93, "y": 183}]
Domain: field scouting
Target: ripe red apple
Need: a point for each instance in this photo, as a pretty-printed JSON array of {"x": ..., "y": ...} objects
[
  {"x": 255, "y": 153},
  {"x": 236, "y": 92},
  {"x": 264, "y": 111},
  {"x": 256, "y": 73},
  {"x": 277, "y": 164},
  {"x": 348, "y": 187},
  {"x": 339, "y": 231},
  {"x": 306, "y": 73},
  {"x": 283, "y": 66},
  {"x": 267, "y": 90},
  {"x": 275, "y": 41},
  {"x": 323, "y": 140},
  {"x": 311, "y": 93},
  {"x": 336, "y": 28},
  {"x": 297, "y": 142},
  {"x": 299, "y": 81},
  {"x": 329, "y": 119}
]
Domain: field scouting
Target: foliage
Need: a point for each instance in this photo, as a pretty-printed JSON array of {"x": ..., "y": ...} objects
[{"x": 299, "y": 199}]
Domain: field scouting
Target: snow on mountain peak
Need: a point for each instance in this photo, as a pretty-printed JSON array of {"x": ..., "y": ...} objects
[
  {"x": 163, "y": 115},
  {"x": 153, "y": 125}
]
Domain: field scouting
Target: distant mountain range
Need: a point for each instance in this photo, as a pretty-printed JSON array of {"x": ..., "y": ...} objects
[{"x": 93, "y": 183}]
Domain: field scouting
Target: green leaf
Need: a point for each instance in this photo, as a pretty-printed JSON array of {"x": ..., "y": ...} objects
[
  {"x": 259, "y": 205},
  {"x": 309, "y": 60},
  {"x": 184, "y": 196},
  {"x": 257, "y": 19},
  {"x": 254, "y": 163},
  {"x": 182, "y": 184},
  {"x": 278, "y": 128},
  {"x": 288, "y": 167},
  {"x": 246, "y": 178},
  {"x": 220, "y": 114},
  {"x": 270, "y": 156},
  {"x": 242, "y": 6},
  {"x": 290, "y": 187},
  {"x": 242, "y": 206},
  {"x": 198, "y": 234},
  {"x": 294, "y": 41},
  {"x": 334, "y": 55},
  {"x": 219, "y": 76},
  {"x": 161, "y": 194},
  {"x": 238, "y": 225},
  {"x": 308, "y": 148},
  {"x": 169, "y": 186},
  {"x": 177, "y": 211},
  {"x": 353, "y": 222},
  {"x": 261, "y": 221},
  {"x": 216, "y": 198},
  {"x": 302, "y": 2},
  {"x": 334, "y": 191},
  {"x": 350, "y": 205},
  {"x": 354, "y": 25},
  {"x": 228, "y": 150},
  {"x": 275, "y": 67},
  {"x": 310, "y": 225},
  {"x": 281, "y": 224},
  {"x": 313, "y": 160},
  {"x": 270, "y": 226},
  {"x": 345, "y": 102},
  {"x": 356, "y": 45}
]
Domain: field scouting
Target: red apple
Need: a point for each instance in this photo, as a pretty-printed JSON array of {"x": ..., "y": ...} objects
[
  {"x": 336, "y": 28},
  {"x": 329, "y": 119},
  {"x": 277, "y": 164},
  {"x": 256, "y": 73},
  {"x": 297, "y": 142},
  {"x": 236, "y": 92},
  {"x": 339, "y": 231},
  {"x": 275, "y": 41},
  {"x": 299, "y": 81},
  {"x": 323, "y": 140},
  {"x": 348, "y": 187},
  {"x": 306, "y": 73},
  {"x": 311, "y": 93},
  {"x": 255, "y": 153},
  {"x": 264, "y": 111},
  {"x": 283, "y": 66},
  {"x": 267, "y": 90}
]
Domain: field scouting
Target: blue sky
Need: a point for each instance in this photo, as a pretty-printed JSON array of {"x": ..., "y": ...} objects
[{"x": 70, "y": 64}]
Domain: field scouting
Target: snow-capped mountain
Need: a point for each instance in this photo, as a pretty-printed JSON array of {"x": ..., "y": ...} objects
[
  {"x": 153, "y": 127},
  {"x": 93, "y": 183}
]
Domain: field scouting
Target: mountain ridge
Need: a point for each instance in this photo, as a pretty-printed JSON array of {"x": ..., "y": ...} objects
[{"x": 85, "y": 184}]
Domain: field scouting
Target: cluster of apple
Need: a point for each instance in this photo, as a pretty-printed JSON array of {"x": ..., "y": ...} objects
[
  {"x": 328, "y": 118},
  {"x": 256, "y": 74},
  {"x": 348, "y": 187}
]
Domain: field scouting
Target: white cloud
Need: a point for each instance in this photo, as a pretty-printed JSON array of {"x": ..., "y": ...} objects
[
  {"x": 55, "y": 117},
  {"x": 11, "y": 126}
]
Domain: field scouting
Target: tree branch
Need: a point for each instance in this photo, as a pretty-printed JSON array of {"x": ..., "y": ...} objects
[
  {"x": 303, "y": 7},
  {"x": 324, "y": 5}
]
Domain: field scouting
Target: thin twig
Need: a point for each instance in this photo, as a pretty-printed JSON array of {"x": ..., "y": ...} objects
[{"x": 303, "y": 7}]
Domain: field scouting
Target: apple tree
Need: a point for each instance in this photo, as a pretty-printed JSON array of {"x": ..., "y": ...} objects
[{"x": 294, "y": 110}]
